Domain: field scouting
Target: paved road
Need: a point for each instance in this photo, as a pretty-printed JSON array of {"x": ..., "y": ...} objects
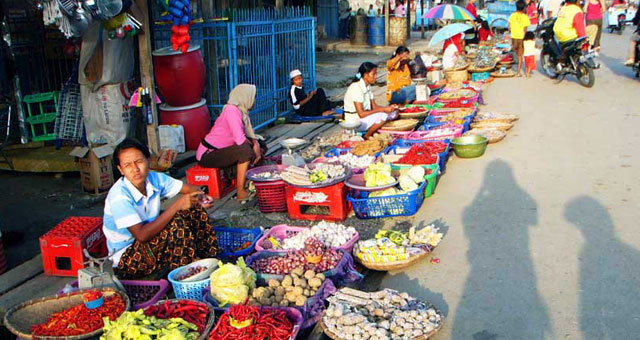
[{"x": 542, "y": 237}]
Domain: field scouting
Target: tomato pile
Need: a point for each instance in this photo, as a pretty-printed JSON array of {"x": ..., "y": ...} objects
[
  {"x": 190, "y": 311},
  {"x": 412, "y": 109},
  {"x": 242, "y": 322},
  {"x": 425, "y": 153},
  {"x": 79, "y": 319}
]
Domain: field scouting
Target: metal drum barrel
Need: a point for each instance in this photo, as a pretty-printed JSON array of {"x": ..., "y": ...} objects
[
  {"x": 376, "y": 31},
  {"x": 397, "y": 31},
  {"x": 359, "y": 25}
]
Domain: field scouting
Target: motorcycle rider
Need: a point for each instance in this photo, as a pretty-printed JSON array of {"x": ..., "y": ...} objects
[
  {"x": 569, "y": 25},
  {"x": 635, "y": 38}
]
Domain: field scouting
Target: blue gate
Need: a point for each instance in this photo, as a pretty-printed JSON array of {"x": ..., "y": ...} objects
[
  {"x": 328, "y": 17},
  {"x": 258, "y": 47}
]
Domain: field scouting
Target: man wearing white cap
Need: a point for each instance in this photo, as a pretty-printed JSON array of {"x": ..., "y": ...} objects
[{"x": 314, "y": 104}]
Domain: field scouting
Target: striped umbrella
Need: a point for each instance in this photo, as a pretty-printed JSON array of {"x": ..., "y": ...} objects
[{"x": 448, "y": 12}]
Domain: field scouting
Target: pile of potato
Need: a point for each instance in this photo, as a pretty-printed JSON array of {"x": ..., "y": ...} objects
[{"x": 293, "y": 290}]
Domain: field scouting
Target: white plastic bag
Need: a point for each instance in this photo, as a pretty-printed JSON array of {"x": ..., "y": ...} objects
[
  {"x": 106, "y": 112},
  {"x": 113, "y": 58}
]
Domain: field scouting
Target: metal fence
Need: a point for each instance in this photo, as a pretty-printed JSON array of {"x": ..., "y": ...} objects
[{"x": 256, "y": 46}]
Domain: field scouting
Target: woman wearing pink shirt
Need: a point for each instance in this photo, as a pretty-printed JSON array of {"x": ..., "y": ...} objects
[
  {"x": 595, "y": 10},
  {"x": 231, "y": 139}
]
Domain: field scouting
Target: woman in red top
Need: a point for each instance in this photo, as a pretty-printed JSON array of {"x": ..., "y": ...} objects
[
  {"x": 484, "y": 32},
  {"x": 532, "y": 12},
  {"x": 595, "y": 10}
]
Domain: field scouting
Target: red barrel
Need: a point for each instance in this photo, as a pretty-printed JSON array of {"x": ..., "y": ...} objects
[
  {"x": 194, "y": 119},
  {"x": 179, "y": 76}
]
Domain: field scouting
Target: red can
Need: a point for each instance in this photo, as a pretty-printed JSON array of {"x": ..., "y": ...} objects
[
  {"x": 194, "y": 119},
  {"x": 179, "y": 76}
]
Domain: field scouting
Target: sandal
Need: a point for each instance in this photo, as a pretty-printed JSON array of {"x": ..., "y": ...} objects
[{"x": 249, "y": 197}]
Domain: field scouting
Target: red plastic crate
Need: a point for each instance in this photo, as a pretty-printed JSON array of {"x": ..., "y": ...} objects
[
  {"x": 219, "y": 186},
  {"x": 271, "y": 196},
  {"x": 336, "y": 201},
  {"x": 62, "y": 246}
]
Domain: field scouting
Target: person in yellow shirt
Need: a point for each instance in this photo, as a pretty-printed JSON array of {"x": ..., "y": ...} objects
[
  {"x": 518, "y": 23},
  {"x": 400, "y": 89},
  {"x": 570, "y": 23}
]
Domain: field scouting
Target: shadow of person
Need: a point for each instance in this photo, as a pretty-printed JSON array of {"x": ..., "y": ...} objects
[
  {"x": 500, "y": 299},
  {"x": 609, "y": 276}
]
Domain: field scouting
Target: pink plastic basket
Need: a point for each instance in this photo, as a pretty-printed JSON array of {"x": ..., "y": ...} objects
[
  {"x": 438, "y": 133},
  {"x": 399, "y": 134},
  {"x": 283, "y": 231}
]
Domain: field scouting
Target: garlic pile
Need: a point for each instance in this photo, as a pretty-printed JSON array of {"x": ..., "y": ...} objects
[
  {"x": 330, "y": 234},
  {"x": 353, "y": 161},
  {"x": 383, "y": 315}
]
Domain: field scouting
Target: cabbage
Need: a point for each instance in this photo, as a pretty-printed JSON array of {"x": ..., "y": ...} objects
[
  {"x": 386, "y": 192},
  {"x": 378, "y": 174},
  {"x": 416, "y": 173},
  {"x": 407, "y": 183}
]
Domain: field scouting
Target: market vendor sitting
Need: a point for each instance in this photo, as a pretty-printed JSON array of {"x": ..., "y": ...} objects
[
  {"x": 359, "y": 104},
  {"x": 314, "y": 104},
  {"x": 400, "y": 89},
  {"x": 451, "y": 49},
  {"x": 232, "y": 141},
  {"x": 143, "y": 241}
]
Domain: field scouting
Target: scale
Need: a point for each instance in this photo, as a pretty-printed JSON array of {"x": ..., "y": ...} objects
[
  {"x": 422, "y": 90},
  {"x": 291, "y": 157}
]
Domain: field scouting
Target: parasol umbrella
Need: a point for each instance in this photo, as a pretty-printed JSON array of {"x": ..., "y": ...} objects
[
  {"x": 448, "y": 32},
  {"x": 448, "y": 12}
]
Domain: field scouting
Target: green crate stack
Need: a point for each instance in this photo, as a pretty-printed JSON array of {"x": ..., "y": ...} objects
[{"x": 43, "y": 110}]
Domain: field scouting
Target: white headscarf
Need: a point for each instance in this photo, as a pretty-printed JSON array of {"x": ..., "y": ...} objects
[{"x": 243, "y": 97}]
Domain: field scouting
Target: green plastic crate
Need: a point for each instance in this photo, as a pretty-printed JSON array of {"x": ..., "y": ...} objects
[{"x": 42, "y": 110}]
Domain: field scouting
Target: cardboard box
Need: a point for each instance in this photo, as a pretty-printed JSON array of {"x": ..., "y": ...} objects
[{"x": 96, "y": 169}]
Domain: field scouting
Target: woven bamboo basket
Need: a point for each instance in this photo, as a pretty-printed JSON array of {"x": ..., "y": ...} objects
[
  {"x": 456, "y": 76},
  {"x": 461, "y": 68},
  {"x": 408, "y": 115},
  {"x": 473, "y": 69},
  {"x": 509, "y": 74},
  {"x": 334, "y": 336},
  {"x": 492, "y": 126},
  {"x": 493, "y": 136},
  {"x": 493, "y": 120},
  {"x": 210, "y": 322},
  {"x": 20, "y": 318},
  {"x": 400, "y": 125},
  {"x": 384, "y": 267},
  {"x": 504, "y": 116}
]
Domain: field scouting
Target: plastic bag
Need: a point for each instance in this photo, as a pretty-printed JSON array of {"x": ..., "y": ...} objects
[{"x": 230, "y": 284}]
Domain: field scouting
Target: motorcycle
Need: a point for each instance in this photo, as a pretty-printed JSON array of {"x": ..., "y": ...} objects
[
  {"x": 617, "y": 20},
  {"x": 558, "y": 60}
]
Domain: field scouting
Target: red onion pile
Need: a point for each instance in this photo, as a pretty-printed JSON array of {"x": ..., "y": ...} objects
[{"x": 282, "y": 265}]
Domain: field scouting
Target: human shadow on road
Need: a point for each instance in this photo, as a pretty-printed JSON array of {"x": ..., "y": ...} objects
[
  {"x": 616, "y": 66},
  {"x": 500, "y": 299},
  {"x": 609, "y": 276}
]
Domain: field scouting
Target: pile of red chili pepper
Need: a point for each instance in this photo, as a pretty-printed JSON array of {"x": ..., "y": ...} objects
[
  {"x": 191, "y": 311},
  {"x": 414, "y": 109},
  {"x": 79, "y": 320},
  {"x": 243, "y": 322},
  {"x": 425, "y": 153},
  {"x": 458, "y": 103}
]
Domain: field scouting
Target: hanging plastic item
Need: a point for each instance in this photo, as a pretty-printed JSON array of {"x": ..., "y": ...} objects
[{"x": 178, "y": 11}]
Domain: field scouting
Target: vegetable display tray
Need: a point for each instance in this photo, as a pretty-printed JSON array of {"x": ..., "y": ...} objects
[
  {"x": 283, "y": 231},
  {"x": 212, "y": 316},
  {"x": 367, "y": 207},
  {"x": 20, "y": 318}
]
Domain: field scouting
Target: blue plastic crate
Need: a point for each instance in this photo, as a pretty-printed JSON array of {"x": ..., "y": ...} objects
[
  {"x": 387, "y": 206},
  {"x": 233, "y": 238},
  {"x": 479, "y": 76},
  {"x": 335, "y": 152}
]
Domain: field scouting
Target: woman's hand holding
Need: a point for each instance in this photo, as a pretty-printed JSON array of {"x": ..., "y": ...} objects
[
  {"x": 389, "y": 109},
  {"x": 205, "y": 201},
  {"x": 190, "y": 200},
  {"x": 257, "y": 152}
]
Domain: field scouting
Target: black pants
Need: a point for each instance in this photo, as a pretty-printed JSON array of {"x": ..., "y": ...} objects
[{"x": 316, "y": 106}]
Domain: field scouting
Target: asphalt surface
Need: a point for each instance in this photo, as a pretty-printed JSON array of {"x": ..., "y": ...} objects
[{"x": 541, "y": 232}]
